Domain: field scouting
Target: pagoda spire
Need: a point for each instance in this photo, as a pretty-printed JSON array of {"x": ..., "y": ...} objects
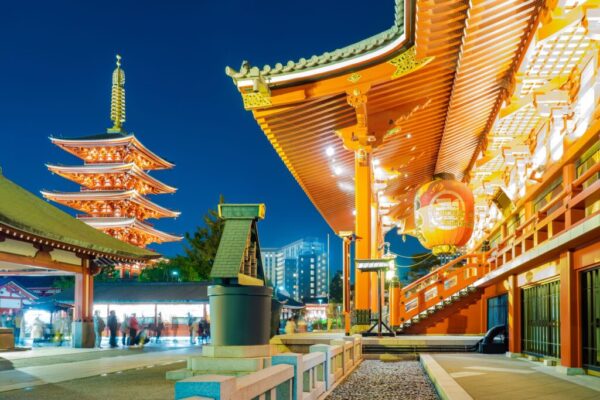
[{"x": 117, "y": 103}]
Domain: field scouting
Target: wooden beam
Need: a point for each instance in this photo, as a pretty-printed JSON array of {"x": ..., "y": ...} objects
[{"x": 41, "y": 260}]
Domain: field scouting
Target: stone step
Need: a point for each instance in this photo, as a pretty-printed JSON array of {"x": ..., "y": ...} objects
[{"x": 179, "y": 374}]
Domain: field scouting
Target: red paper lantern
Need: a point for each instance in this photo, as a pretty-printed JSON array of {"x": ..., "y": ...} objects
[{"x": 444, "y": 214}]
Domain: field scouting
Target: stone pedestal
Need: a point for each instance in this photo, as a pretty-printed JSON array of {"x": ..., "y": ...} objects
[
  {"x": 242, "y": 315},
  {"x": 83, "y": 335},
  {"x": 225, "y": 360}
]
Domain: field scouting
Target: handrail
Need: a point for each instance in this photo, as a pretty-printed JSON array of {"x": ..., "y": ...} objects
[
  {"x": 559, "y": 197},
  {"x": 271, "y": 377},
  {"x": 311, "y": 360},
  {"x": 525, "y": 223},
  {"x": 586, "y": 175},
  {"x": 572, "y": 152},
  {"x": 437, "y": 270}
]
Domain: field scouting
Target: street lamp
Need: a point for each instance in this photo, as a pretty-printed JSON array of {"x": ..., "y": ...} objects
[{"x": 175, "y": 274}]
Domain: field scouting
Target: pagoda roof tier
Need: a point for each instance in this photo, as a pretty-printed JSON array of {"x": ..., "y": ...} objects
[
  {"x": 129, "y": 203},
  {"x": 109, "y": 147},
  {"x": 420, "y": 98},
  {"x": 120, "y": 228},
  {"x": 112, "y": 177},
  {"x": 29, "y": 218}
]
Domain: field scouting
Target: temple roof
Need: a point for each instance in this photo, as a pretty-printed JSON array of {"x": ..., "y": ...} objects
[
  {"x": 418, "y": 110},
  {"x": 130, "y": 223},
  {"x": 130, "y": 169},
  {"x": 111, "y": 139},
  {"x": 21, "y": 211},
  {"x": 328, "y": 60},
  {"x": 110, "y": 195}
]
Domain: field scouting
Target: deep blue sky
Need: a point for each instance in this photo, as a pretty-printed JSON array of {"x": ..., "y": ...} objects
[{"x": 56, "y": 60}]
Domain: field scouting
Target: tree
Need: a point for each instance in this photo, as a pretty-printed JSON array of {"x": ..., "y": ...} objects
[
  {"x": 421, "y": 265},
  {"x": 107, "y": 274},
  {"x": 200, "y": 251},
  {"x": 203, "y": 244},
  {"x": 336, "y": 288}
]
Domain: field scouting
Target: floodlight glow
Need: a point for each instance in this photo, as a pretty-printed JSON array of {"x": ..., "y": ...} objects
[{"x": 330, "y": 151}]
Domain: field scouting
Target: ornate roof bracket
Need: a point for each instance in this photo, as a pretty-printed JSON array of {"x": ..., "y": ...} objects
[
  {"x": 357, "y": 137},
  {"x": 407, "y": 63},
  {"x": 259, "y": 96}
]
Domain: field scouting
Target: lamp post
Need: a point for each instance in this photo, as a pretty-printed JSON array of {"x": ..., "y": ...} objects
[{"x": 175, "y": 275}]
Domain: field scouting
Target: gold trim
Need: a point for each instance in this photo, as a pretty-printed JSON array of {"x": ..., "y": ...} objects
[
  {"x": 255, "y": 100},
  {"x": 355, "y": 77},
  {"x": 407, "y": 62}
]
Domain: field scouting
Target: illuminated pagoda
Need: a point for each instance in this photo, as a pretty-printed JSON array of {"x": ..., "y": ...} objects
[{"x": 114, "y": 179}]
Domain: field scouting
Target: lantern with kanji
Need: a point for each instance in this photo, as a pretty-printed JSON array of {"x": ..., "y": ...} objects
[{"x": 444, "y": 214}]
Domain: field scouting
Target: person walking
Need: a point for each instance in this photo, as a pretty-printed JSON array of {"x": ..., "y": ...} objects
[
  {"x": 160, "y": 325},
  {"x": 99, "y": 326},
  {"x": 290, "y": 326},
  {"x": 23, "y": 331},
  {"x": 37, "y": 331},
  {"x": 17, "y": 329},
  {"x": 191, "y": 328},
  {"x": 59, "y": 323},
  {"x": 134, "y": 326},
  {"x": 113, "y": 325},
  {"x": 124, "y": 329},
  {"x": 195, "y": 328}
]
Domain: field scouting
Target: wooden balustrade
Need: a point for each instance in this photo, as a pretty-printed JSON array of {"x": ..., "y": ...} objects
[{"x": 415, "y": 300}]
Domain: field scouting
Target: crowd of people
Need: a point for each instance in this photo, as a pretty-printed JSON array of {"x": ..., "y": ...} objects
[
  {"x": 134, "y": 333},
  {"x": 39, "y": 331},
  {"x": 130, "y": 330}
]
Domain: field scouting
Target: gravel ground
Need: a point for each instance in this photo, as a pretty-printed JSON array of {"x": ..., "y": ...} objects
[
  {"x": 386, "y": 380},
  {"x": 141, "y": 383}
]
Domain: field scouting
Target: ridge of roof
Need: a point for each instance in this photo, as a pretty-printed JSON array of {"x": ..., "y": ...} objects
[
  {"x": 22, "y": 211},
  {"x": 247, "y": 71}
]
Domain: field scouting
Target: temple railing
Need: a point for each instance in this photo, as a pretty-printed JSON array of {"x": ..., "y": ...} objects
[
  {"x": 291, "y": 376},
  {"x": 438, "y": 285},
  {"x": 573, "y": 197},
  {"x": 568, "y": 194}
]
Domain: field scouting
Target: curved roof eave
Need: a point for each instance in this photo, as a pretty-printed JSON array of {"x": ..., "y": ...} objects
[{"x": 329, "y": 63}]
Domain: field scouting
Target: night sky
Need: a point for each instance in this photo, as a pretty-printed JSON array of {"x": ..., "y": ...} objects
[{"x": 56, "y": 61}]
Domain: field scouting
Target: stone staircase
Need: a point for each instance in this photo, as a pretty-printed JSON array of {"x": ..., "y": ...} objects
[{"x": 442, "y": 304}]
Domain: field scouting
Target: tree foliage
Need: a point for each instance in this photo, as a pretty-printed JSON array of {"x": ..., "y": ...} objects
[
  {"x": 199, "y": 254},
  {"x": 336, "y": 288}
]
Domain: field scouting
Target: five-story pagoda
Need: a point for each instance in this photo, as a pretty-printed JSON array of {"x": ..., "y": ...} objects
[{"x": 114, "y": 179}]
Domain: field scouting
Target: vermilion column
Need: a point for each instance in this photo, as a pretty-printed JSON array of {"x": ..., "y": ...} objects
[
  {"x": 514, "y": 315},
  {"x": 346, "y": 243},
  {"x": 375, "y": 253},
  {"x": 570, "y": 319},
  {"x": 394, "y": 303},
  {"x": 362, "y": 202},
  {"x": 84, "y": 293}
]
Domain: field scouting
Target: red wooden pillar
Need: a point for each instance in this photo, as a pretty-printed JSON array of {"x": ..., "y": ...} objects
[
  {"x": 570, "y": 318},
  {"x": 514, "y": 315},
  {"x": 84, "y": 293},
  {"x": 363, "y": 196}
]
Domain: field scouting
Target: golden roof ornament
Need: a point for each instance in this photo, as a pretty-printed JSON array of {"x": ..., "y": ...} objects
[{"x": 117, "y": 103}]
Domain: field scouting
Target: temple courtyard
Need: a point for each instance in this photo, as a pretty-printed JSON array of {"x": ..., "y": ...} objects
[{"x": 59, "y": 373}]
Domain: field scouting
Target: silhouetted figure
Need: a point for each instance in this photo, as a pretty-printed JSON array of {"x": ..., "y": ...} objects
[{"x": 113, "y": 326}]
